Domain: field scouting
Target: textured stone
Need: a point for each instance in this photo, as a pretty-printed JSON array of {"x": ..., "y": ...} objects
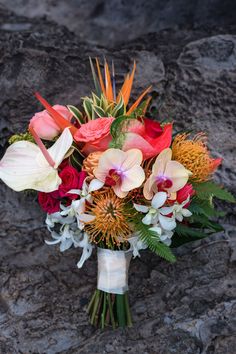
[
  {"x": 110, "y": 22},
  {"x": 182, "y": 308}
]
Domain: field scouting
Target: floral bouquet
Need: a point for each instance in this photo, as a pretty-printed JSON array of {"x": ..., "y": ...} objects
[{"x": 110, "y": 177}]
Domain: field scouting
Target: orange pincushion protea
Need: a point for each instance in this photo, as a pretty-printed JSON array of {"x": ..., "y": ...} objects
[
  {"x": 194, "y": 155},
  {"x": 110, "y": 224}
]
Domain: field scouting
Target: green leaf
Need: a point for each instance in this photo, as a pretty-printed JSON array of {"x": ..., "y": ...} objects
[
  {"x": 119, "y": 126},
  {"x": 184, "y": 230},
  {"x": 119, "y": 109},
  {"x": 87, "y": 104},
  {"x": 204, "y": 207},
  {"x": 206, "y": 190},
  {"x": 96, "y": 99},
  {"x": 104, "y": 102},
  {"x": 99, "y": 111},
  {"x": 76, "y": 113},
  {"x": 95, "y": 78},
  {"x": 138, "y": 112},
  {"x": 152, "y": 240},
  {"x": 205, "y": 223}
]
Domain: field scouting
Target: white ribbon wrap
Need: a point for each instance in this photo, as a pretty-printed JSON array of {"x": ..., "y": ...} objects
[{"x": 113, "y": 267}]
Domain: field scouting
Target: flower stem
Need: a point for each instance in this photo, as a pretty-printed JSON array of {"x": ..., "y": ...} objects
[
  {"x": 127, "y": 310},
  {"x": 96, "y": 302},
  {"x": 91, "y": 302},
  {"x": 111, "y": 311},
  {"x": 103, "y": 311},
  {"x": 120, "y": 309}
]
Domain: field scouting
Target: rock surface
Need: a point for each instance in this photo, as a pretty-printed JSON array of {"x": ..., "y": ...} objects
[
  {"x": 185, "y": 308},
  {"x": 110, "y": 22}
]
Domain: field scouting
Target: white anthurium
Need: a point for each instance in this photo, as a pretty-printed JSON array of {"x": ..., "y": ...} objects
[
  {"x": 24, "y": 165},
  {"x": 180, "y": 212},
  {"x": 156, "y": 213}
]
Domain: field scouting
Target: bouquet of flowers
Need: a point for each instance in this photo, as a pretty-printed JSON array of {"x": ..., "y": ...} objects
[{"x": 112, "y": 178}]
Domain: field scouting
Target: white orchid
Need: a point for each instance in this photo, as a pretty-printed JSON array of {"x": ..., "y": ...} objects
[
  {"x": 69, "y": 236},
  {"x": 156, "y": 213},
  {"x": 28, "y": 166},
  {"x": 65, "y": 238},
  {"x": 78, "y": 207},
  {"x": 180, "y": 212},
  {"x": 164, "y": 235}
]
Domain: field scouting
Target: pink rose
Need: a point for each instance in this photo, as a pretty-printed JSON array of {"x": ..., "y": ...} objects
[
  {"x": 71, "y": 179},
  {"x": 95, "y": 134},
  {"x": 149, "y": 137},
  {"x": 48, "y": 203},
  {"x": 45, "y": 126}
]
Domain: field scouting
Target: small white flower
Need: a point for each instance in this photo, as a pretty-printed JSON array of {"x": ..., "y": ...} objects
[
  {"x": 65, "y": 238},
  {"x": 156, "y": 213},
  {"x": 179, "y": 212},
  {"x": 164, "y": 235}
]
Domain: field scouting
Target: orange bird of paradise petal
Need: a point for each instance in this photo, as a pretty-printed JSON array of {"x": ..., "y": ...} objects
[
  {"x": 137, "y": 102},
  {"x": 58, "y": 118},
  {"x": 109, "y": 90},
  {"x": 127, "y": 87}
]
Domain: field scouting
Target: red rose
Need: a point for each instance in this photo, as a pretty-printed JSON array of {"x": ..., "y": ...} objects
[
  {"x": 71, "y": 179},
  {"x": 184, "y": 193},
  {"x": 148, "y": 136},
  {"x": 48, "y": 203},
  {"x": 152, "y": 128}
]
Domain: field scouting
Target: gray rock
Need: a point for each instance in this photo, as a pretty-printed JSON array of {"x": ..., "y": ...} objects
[
  {"x": 112, "y": 22},
  {"x": 187, "y": 307}
]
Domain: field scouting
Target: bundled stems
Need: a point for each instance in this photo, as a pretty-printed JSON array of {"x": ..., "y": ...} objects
[{"x": 109, "y": 310}]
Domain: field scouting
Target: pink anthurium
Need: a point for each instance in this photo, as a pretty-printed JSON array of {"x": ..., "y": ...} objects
[
  {"x": 149, "y": 137},
  {"x": 167, "y": 175},
  {"x": 121, "y": 170}
]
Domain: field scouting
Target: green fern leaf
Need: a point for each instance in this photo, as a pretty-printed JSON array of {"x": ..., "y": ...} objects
[{"x": 206, "y": 190}]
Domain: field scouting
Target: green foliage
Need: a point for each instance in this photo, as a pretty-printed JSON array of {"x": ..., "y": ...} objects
[
  {"x": 150, "y": 238},
  {"x": 76, "y": 113},
  {"x": 209, "y": 189},
  {"x": 204, "y": 207},
  {"x": 118, "y": 130},
  {"x": 19, "y": 137},
  {"x": 186, "y": 233},
  {"x": 95, "y": 78},
  {"x": 139, "y": 111},
  {"x": 99, "y": 107},
  {"x": 153, "y": 242}
]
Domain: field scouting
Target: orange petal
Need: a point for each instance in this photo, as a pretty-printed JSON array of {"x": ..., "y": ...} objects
[
  {"x": 109, "y": 90},
  {"x": 58, "y": 118},
  {"x": 127, "y": 93},
  {"x": 137, "y": 102},
  {"x": 123, "y": 88},
  {"x": 127, "y": 86}
]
